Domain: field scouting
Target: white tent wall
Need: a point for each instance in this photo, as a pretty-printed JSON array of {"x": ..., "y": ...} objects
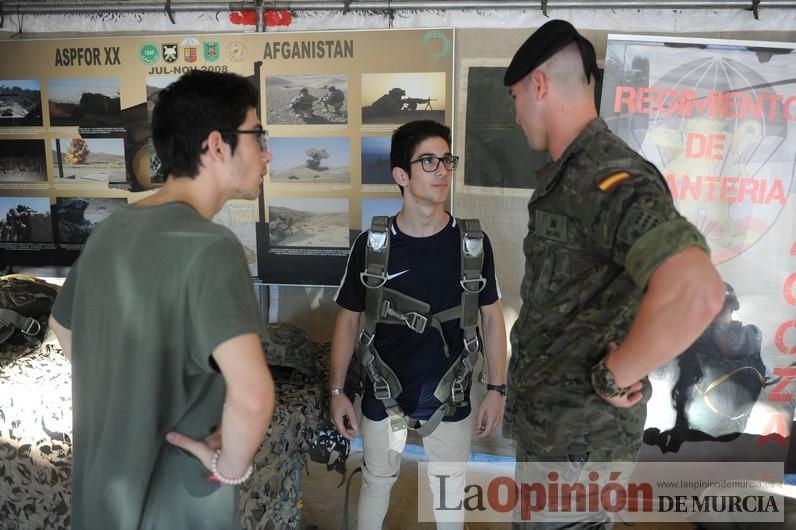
[{"x": 487, "y": 35}]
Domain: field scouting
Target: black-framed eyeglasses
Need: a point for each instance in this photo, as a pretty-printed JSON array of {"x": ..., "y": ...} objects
[
  {"x": 262, "y": 135},
  {"x": 430, "y": 163}
]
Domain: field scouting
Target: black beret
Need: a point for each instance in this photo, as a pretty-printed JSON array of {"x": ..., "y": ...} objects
[{"x": 543, "y": 44}]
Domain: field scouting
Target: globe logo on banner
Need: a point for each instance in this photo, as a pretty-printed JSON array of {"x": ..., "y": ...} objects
[{"x": 717, "y": 130}]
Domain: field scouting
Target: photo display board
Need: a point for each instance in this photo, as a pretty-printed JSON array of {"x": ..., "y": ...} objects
[
  {"x": 75, "y": 139},
  {"x": 718, "y": 119}
]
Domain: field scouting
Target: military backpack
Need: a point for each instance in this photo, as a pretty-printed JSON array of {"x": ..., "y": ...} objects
[{"x": 25, "y": 304}]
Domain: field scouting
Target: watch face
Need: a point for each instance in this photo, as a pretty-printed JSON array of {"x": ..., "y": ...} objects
[{"x": 236, "y": 51}]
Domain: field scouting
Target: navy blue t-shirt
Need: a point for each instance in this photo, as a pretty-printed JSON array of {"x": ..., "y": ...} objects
[{"x": 428, "y": 269}]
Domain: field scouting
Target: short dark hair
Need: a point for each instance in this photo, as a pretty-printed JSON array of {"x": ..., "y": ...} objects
[
  {"x": 407, "y": 137},
  {"x": 189, "y": 109}
]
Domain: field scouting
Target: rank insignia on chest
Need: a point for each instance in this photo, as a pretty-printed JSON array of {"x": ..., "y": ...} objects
[
  {"x": 612, "y": 180},
  {"x": 550, "y": 225}
]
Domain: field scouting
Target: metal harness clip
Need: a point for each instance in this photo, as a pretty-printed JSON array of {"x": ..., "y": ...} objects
[
  {"x": 457, "y": 391},
  {"x": 365, "y": 335},
  {"x": 480, "y": 283},
  {"x": 377, "y": 241},
  {"x": 473, "y": 244},
  {"x": 32, "y": 327},
  {"x": 472, "y": 345},
  {"x": 381, "y": 389},
  {"x": 365, "y": 275},
  {"x": 415, "y": 321}
]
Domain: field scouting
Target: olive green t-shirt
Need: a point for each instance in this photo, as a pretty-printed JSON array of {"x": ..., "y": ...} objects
[{"x": 153, "y": 293}]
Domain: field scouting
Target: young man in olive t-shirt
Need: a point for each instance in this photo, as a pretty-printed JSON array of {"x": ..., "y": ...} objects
[{"x": 171, "y": 393}]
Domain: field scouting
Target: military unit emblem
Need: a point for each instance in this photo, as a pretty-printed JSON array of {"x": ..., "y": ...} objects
[
  {"x": 148, "y": 53},
  {"x": 169, "y": 53},
  {"x": 190, "y": 49},
  {"x": 211, "y": 50}
]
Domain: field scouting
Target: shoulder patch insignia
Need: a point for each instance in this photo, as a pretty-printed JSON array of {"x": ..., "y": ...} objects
[{"x": 612, "y": 180}]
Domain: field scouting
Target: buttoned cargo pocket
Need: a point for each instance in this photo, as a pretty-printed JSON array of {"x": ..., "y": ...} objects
[{"x": 563, "y": 278}]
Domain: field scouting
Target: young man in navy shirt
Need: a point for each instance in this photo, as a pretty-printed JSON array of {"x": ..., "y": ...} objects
[{"x": 425, "y": 263}]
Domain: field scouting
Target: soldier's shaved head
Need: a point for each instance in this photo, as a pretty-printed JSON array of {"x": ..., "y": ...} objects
[{"x": 564, "y": 71}]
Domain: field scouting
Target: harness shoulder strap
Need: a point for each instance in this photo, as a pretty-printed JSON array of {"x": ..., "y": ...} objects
[
  {"x": 472, "y": 282},
  {"x": 379, "y": 300},
  {"x": 386, "y": 386},
  {"x": 11, "y": 320},
  {"x": 377, "y": 255}
]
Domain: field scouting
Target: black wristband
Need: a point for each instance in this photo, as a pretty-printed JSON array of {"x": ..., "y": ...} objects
[{"x": 500, "y": 389}]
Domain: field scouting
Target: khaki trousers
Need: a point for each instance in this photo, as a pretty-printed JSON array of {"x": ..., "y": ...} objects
[{"x": 448, "y": 449}]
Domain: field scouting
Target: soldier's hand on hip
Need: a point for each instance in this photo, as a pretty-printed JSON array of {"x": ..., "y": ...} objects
[{"x": 626, "y": 400}]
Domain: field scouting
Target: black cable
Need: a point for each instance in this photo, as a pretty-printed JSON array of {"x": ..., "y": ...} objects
[
  {"x": 169, "y": 12},
  {"x": 756, "y": 9}
]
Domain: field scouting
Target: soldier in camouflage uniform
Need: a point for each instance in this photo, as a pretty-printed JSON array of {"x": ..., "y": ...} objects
[
  {"x": 73, "y": 227},
  {"x": 616, "y": 282},
  {"x": 302, "y": 104}
]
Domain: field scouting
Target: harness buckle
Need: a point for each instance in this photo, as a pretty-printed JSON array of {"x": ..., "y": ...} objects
[
  {"x": 32, "y": 327},
  {"x": 479, "y": 282},
  {"x": 415, "y": 321},
  {"x": 473, "y": 244},
  {"x": 365, "y": 335},
  {"x": 377, "y": 240},
  {"x": 457, "y": 391},
  {"x": 472, "y": 345},
  {"x": 381, "y": 389},
  {"x": 365, "y": 275}
]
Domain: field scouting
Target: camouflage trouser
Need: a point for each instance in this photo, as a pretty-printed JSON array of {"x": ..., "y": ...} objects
[{"x": 536, "y": 466}]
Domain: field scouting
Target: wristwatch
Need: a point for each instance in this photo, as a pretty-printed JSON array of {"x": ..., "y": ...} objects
[
  {"x": 500, "y": 389},
  {"x": 603, "y": 382},
  {"x": 335, "y": 391}
]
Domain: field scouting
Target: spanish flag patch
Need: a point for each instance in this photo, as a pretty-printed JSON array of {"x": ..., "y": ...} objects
[{"x": 612, "y": 180}]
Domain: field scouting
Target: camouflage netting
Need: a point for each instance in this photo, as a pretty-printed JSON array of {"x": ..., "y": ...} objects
[
  {"x": 36, "y": 447},
  {"x": 288, "y": 346}
]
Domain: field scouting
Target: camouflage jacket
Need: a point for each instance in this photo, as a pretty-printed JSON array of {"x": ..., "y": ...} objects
[{"x": 600, "y": 221}]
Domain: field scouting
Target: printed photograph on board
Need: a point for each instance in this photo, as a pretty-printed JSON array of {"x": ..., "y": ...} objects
[
  {"x": 301, "y": 222},
  {"x": 86, "y": 103},
  {"x": 20, "y": 102},
  {"x": 319, "y": 160},
  {"x": 98, "y": 160},
  {"x": 22, "y": 161},
  {"x": 401, "y": 98},
  {"x": 374, "y": 207},
  {"x": 154, "y": 84},
  {"x": 76, "y": 217},
  {"x": 241, "y": 218},
  {"x": 376, "y": 160},
  {"x": 306, "y": 99},
  {"x": 25, "y": 220}
]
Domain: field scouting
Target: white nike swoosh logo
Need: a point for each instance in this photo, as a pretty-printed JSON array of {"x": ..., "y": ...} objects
[{"x": 391, "y": 276}]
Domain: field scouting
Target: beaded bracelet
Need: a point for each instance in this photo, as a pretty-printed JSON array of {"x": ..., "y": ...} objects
[{"x": 218, "y": 477}]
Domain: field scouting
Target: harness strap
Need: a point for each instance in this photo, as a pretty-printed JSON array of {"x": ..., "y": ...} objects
[
  {"x": 387, "y": 306},
  {"x": 397, "y": 308},
  {"x": 10, "y": 319},
  {"x": 472, "y": 256}
]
